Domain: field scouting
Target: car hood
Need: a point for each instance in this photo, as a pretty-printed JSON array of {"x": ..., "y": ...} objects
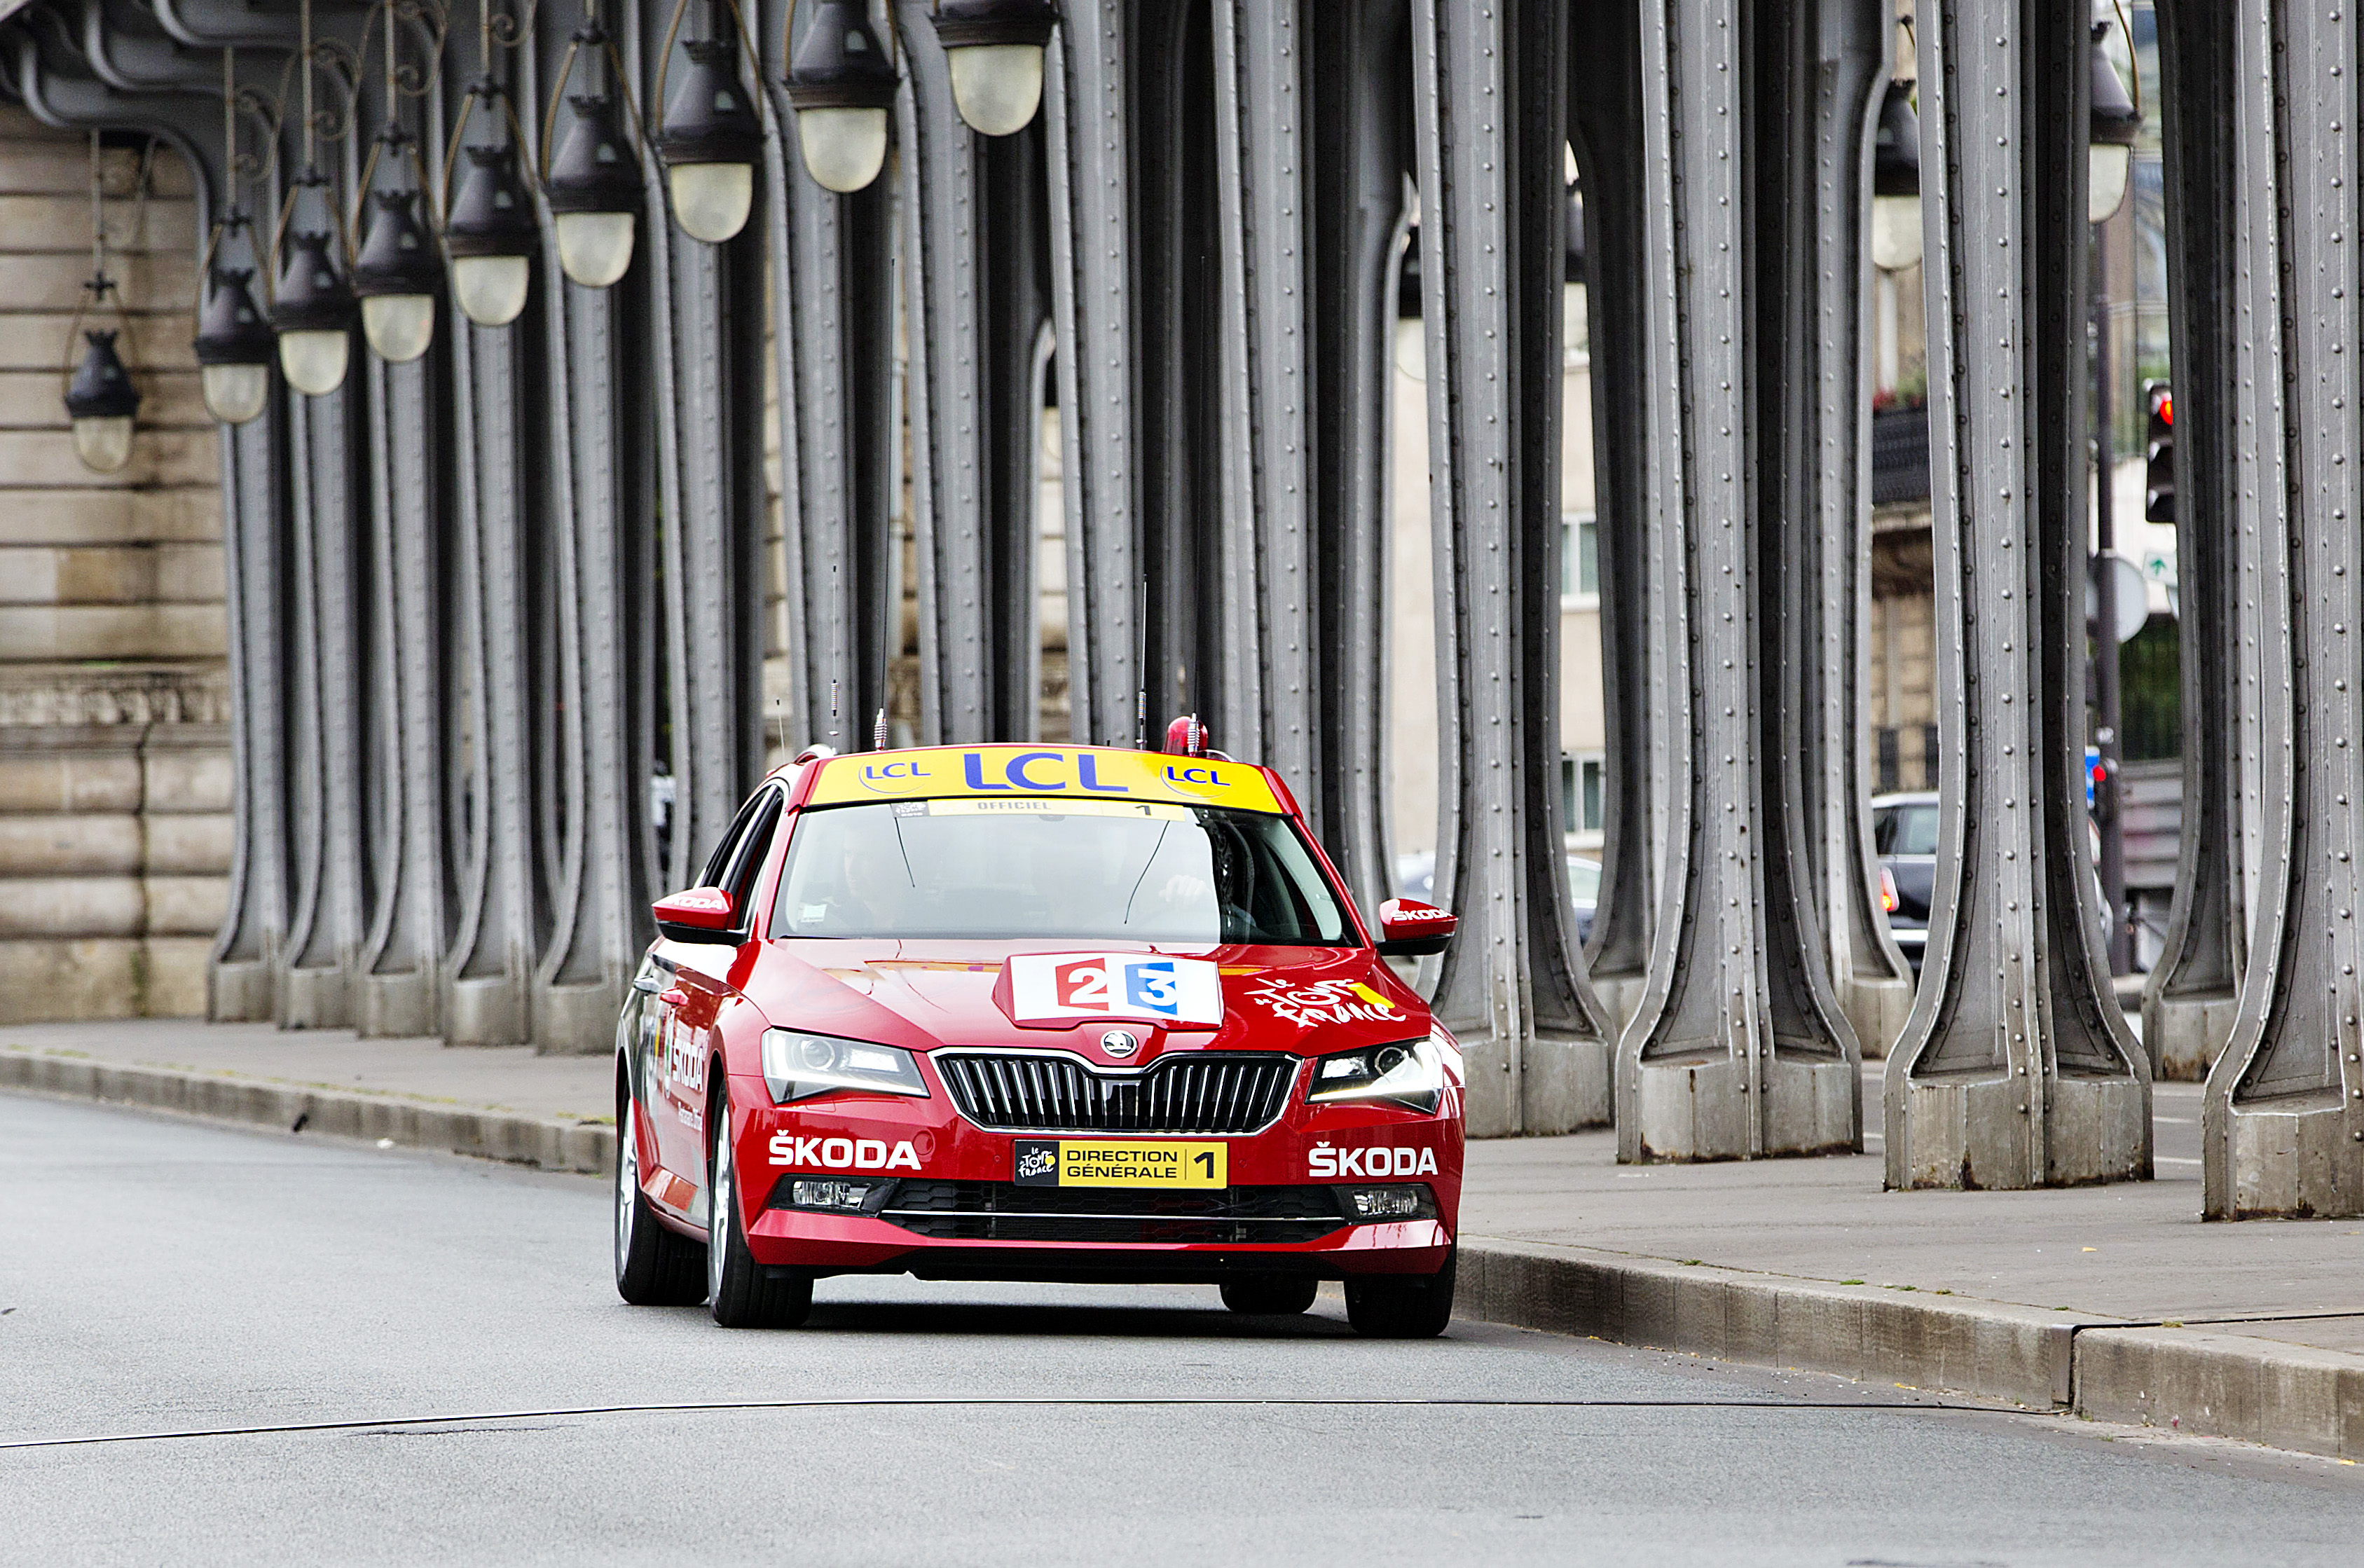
[{"x": 922, "y": 995}]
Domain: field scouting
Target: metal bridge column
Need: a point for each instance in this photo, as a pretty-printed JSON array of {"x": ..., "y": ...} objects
[
  {"x": 2283, "y": 1122},
  {"x": 1739, "y": 1048},
  {"x": 978, "y": 304},
  {"x": 2016, "y": 1068},
  {"x": 2188, "y": 1004},
  {"x": 1488, "y": 95}
]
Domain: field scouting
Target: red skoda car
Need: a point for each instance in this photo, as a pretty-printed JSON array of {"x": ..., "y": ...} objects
[{"x": 1033, "y": 1013}]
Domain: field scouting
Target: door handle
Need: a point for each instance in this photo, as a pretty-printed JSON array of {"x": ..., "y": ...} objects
[{"x": 676, "y": 997}]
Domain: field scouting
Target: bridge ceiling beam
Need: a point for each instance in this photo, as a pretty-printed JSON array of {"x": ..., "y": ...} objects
[
  {"x": 2282, "y": 1123},
  {"x": 2016, "y": 1068}
]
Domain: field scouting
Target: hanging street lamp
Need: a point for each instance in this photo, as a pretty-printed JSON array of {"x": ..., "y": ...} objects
[
  {"x": 397, "y": 276},
  {"x": 1896, "y": 183},
  {"x": 312, "y": 311},
  {"x": 234, "y": 349},
  {"x": 2111, "y": 131},
  {"x": 710, "y": 139},
  {"x": 102, "y": 403},
  {"x": 491, "y": 235},
  {"x": 842, "y": 84},
  {"x": 993, "y": 48},
  {"x": 593, "y": 184}
]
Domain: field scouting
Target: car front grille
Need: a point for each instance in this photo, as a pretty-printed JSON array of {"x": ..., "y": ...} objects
[
  {"x": 1217, "y": 1092},
  {"x": 1004, "y": 1211}
]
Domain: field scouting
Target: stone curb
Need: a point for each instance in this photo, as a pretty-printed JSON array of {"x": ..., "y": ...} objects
[
  {"x": 2232, "y": 1385},
  {"x": 2260, "y": 1391},
  {"x": 486, "y": 1134}
]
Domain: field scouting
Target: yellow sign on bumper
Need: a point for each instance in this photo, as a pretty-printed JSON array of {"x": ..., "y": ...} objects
[{"x": 1101, "y": 1162}]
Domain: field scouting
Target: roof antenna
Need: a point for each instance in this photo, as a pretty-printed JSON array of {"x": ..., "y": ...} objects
[
  {"x": 879, "y": 732},
  {"x": 833, "y": 710},
  {"x": 780, "y": 717}
]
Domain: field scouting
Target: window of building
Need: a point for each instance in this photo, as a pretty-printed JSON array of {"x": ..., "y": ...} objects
[
  {"x": 1583, "y": 792},
  {"x": 1579, "y": 559}
]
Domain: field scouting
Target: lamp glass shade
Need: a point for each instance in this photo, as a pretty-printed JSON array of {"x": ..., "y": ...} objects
[
  {"x": 103, "y": 442},
  {"x": 313, "y": 361},
  {"x": 996, "y": 86},
  {"x": 1895, "y": 232},
  {"x": 2108, "y": 165},
  {"x": 399, "y": 326},
  {"x": 235, "y": 394},
  {"x": 595, "y": 249},
  {"x": 710, "y": 201},
  {"x": 491, "y": 290},
  {"x": 844, "y": 147}
]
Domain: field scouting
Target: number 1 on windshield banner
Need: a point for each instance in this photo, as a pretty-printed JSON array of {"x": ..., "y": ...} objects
[{"x": 1049, "y": 987}]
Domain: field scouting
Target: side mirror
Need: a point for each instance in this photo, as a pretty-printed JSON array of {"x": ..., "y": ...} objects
[
  {"x": 1408, "y": 928},
  {"x": 700, "y": 915}
]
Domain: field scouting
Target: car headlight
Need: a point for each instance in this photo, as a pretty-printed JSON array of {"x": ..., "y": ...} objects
[
  {"x": 798, "y": 1066},
  {"x": 1404, "y": 1073}
]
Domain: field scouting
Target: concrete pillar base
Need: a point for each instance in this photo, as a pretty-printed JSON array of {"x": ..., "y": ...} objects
[
  {"x": 2297, "y": 1163},
  {"x": 1982, "y": 1133},
  {"x": 1876, "y": 1009},
  {"x": 1704, "y": 1109},
  {"x": 241, "y": 992},
  {"x": 316, "y": 999},
  {"x": 2185, "y": 1034},
  {"x": 578, "y": 1020},
  {"x": 1563, "y": 1084},
  {"x": 487, "y": 1011},
  {"x": 397, "y": 1007}
]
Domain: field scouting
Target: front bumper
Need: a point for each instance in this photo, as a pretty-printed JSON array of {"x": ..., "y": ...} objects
[{"x": 939, "y": 1196}]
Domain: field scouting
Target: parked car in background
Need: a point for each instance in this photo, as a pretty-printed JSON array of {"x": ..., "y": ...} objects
[
  {"x": 1904, "y": 837},
  {"x": 1416, "y": 878}
]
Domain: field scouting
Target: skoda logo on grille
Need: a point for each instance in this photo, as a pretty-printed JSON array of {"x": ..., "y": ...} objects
[{"x": 1120, "y": 1043}]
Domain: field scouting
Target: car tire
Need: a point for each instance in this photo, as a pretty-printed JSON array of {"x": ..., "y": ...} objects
[
  {"x": 654, "y": 1266},
  {"x": 1270, "y": 1296},
  {"x": 742, "y": 1291},
  {"x": 1401, "y": 1307}
]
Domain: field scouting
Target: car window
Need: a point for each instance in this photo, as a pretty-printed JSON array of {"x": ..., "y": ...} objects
[
  {"x": 747, "y": 859},
  {"x": 1063, "y": 869},
  {"x": 1915, "y": 831},
  {"x": 718, "y": 862}
]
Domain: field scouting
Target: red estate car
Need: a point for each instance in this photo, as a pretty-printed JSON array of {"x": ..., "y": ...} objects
[{"x": 1033, "y": 1013}]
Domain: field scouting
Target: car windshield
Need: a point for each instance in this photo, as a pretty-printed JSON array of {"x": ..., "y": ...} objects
[{"x": 1065, "y": 869}]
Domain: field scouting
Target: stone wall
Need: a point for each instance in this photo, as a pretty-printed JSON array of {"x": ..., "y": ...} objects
[{"x": 115, "y": 776}]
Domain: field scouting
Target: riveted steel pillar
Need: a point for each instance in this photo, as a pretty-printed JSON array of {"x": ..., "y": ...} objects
[
  {"x": 1488, "y": 93},
  {"x": 1605, "y": 131},
  {"x": 834, "y": 290},
  {"x": 1842, "y": 69},
  {"x": 2282, "y": 1124},
  {"x": 2189, "y": 1000},
  {"x": 2016, "y": 1068},
  {"x": 1739, "y": 1048},
  {"x": 975, "y": 223},
  {"x": 1085, "y": 102}
]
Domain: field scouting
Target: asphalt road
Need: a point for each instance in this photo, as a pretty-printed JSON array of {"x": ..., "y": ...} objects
[{"x": 443, "y": 1334}]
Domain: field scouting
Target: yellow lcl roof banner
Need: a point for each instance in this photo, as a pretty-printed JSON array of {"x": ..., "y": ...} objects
[{"x": 1079, "y": 773}]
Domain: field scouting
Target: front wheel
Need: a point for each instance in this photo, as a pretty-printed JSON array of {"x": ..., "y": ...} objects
[
  {"x": 742, "y": 1296},
  {"x": 655, "y": 1267},
  {"x": 1402, "y": 1306}
]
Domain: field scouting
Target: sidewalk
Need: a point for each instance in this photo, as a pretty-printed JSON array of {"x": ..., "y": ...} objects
[{"x": 2115, "y": 1302}]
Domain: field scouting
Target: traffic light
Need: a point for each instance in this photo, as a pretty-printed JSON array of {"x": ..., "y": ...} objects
[{"x": 2158, "y": 464}]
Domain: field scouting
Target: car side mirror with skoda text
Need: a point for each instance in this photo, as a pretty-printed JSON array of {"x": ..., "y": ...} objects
[{"x": 1408, "y": 928}]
